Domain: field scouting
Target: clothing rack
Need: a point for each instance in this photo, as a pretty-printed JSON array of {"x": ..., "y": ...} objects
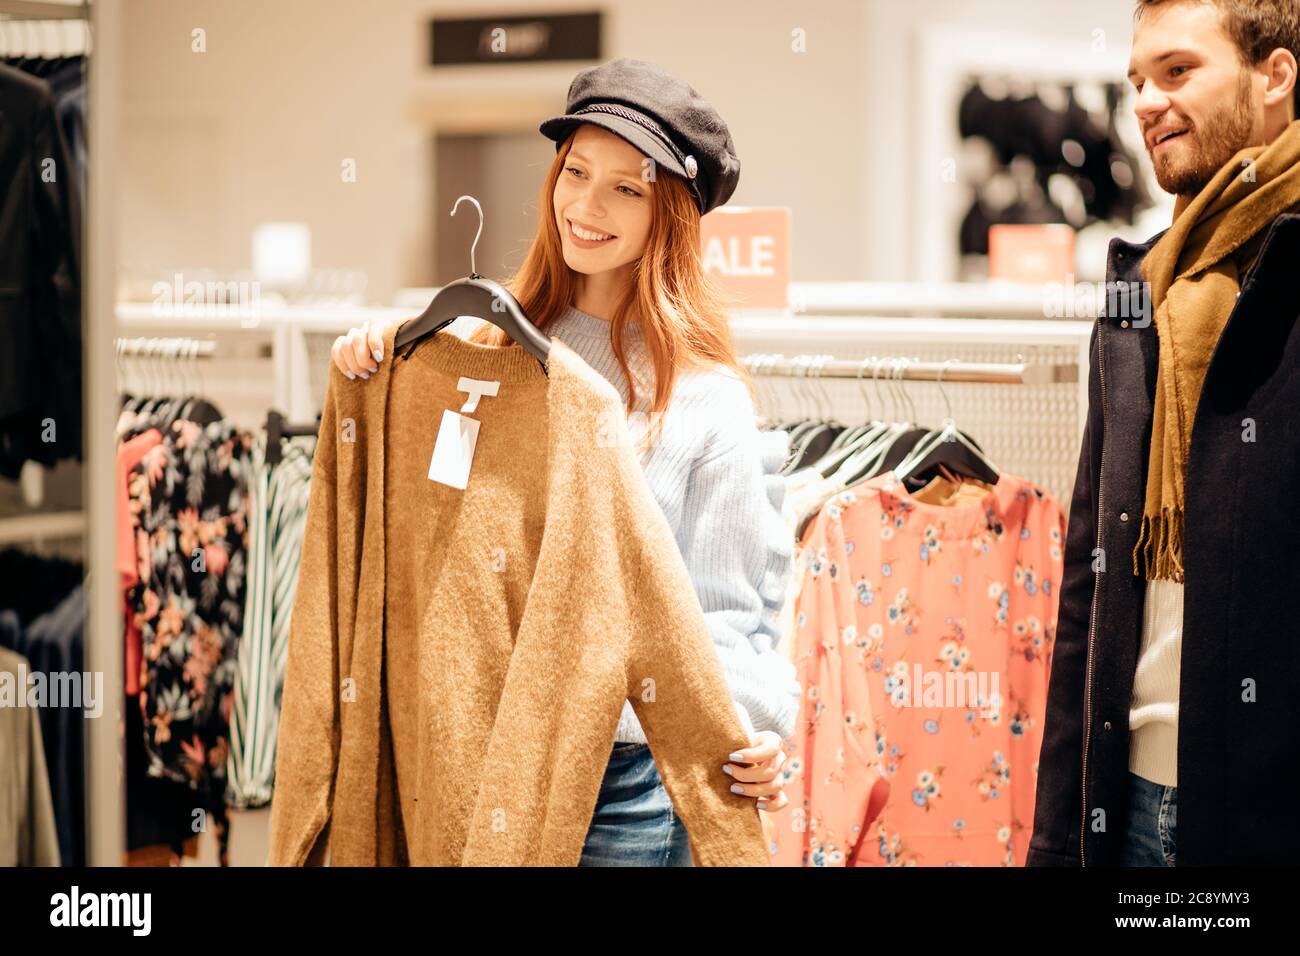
[
  {"x": 172, "y": 348},
  {"x": 45, "y": 29},
  {"x": 896, "y": 367}
]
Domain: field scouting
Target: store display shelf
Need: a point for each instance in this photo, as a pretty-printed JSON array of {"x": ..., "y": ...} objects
[{"x": 43, "y": 525}]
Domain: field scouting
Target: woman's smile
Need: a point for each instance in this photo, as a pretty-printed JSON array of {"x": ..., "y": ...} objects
[{"x": 584, "y": 237}]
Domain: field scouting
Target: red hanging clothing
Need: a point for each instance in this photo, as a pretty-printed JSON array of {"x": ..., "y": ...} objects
[
  {"x": 130, "y": 552},
  {"x": 923, "y": 640}
]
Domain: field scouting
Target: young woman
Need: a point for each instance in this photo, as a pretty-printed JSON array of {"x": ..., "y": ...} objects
[{"x": 614, "y": 272}]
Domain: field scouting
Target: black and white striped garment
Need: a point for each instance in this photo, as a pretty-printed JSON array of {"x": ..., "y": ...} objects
[{"x": 277, "y": 509}]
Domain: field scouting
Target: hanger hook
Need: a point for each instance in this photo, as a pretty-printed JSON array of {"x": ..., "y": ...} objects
[
  {"x": 911, "y": 404},
  {"x": 147, "y": 366},
  {"x": 818, "y": 361},
  {"x": 809, "y": 393},
  {"x": 862, "y": 389},
  {"x": 159, "y": 367},
  {"x": 796, "y": 385},
  {"x": 773, "y": 360},
  {"x": 473, "y": 265},
  {"x": 896, "y": 384},
  {"x": 946, "y": 404},
  {"x": 891, "y": 386},
  {"x": 825, "y": 390},
  {"x": 749, "y": 361},
  {"x": 198, "y": 369},
  {"x": 881, "y": 362},
  {"x": 909, "y": 407},
  {"x": 875, "y": 383},
  {"x": 763, "y": 366}
]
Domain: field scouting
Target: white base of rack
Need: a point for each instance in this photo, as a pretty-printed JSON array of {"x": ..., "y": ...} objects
[{"x": 40, "y": 527}]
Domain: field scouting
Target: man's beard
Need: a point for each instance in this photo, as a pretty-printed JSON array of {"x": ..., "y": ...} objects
[{"x": 1210, "y": 144}]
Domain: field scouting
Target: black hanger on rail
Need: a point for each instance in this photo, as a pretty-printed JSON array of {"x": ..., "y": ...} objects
[
  {"x": 278, "y": 427},
  {"x": 479, "y": 297}
]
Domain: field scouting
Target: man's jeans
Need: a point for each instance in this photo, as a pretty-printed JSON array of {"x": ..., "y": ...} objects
[{"x": 1150, "y": 834}]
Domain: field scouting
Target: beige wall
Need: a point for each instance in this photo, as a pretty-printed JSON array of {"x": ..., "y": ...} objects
[{"x": 257, "y": 127}]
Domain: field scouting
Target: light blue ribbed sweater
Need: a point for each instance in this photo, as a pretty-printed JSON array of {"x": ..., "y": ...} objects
[{"x": 716, "y": 477}]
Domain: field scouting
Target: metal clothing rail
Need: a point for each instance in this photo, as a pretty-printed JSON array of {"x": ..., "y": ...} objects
[
  {"x": 172, "y": 348},
  {"x": 896, "y": 367}
]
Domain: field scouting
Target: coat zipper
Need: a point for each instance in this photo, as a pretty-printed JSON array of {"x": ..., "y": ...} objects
[{"x": 1092, "y": 617}]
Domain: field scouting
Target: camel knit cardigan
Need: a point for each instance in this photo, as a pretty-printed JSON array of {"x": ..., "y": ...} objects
[{"x": 449, "y": 701}]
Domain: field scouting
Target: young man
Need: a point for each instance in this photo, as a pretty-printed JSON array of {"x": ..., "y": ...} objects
[{"x": 1173, "y": 716}]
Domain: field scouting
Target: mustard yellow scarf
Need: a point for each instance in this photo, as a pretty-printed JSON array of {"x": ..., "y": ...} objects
[{"x": 1194, "y": 275}]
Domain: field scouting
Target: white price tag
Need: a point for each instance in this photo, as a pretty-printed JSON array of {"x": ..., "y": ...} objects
[{"x": 454, "y": 450}]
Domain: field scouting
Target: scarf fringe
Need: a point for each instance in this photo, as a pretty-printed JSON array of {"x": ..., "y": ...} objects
[{"x": 1159, "y": 550}]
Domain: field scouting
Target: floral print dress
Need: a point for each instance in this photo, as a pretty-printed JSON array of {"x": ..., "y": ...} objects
[
  {"x": 923, "y": 641},
  {"x": 190, "y": 515}
]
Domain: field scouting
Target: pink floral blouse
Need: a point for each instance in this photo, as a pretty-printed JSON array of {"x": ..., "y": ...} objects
[{"x": 923, "y": 640}]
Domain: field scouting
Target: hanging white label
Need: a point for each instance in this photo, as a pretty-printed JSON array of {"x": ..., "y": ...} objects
[
  {"x": 477, "y": 388},
  {"x": 453, "y": 452}
]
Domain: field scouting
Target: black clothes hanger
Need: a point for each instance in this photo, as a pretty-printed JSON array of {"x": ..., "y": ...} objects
[
  {"x": 957, "y": 458},
  {"x": 480, "y": 297},
  {"x": 953, "y": 455},
  {"x": 277, "y": 428},
  {"x": 817, "y": 444},
  {"x": 202, "y": 412},
  {"x": 485, "y": 299}
]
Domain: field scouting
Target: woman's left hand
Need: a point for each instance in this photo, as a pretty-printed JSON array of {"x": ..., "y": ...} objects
[{"x": 762, "y": 778}]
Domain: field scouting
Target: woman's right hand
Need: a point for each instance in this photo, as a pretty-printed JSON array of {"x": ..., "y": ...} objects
[{"x": 359, "y": 352}]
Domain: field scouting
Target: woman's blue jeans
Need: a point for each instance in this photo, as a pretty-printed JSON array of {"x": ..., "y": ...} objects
[{"x": 634, "y": 823}]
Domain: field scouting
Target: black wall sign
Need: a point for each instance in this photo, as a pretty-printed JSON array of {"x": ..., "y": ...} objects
[{"x": 564, "y": 36}]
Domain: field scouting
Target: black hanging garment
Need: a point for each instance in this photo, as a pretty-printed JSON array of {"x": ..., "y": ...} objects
[{"x": 40, "y": 280}]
